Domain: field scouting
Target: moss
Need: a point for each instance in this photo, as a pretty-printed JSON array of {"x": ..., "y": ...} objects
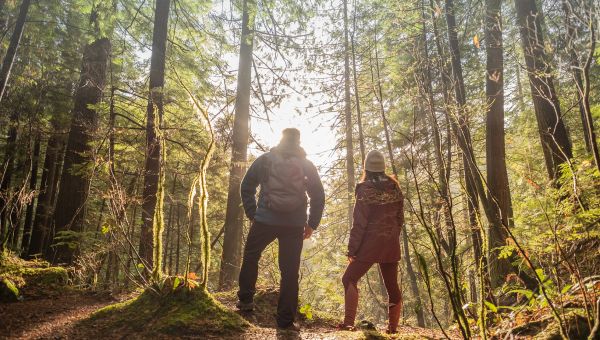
[
  {"x": 33, "y": 278},
  {"x": 11, "y": 263},
  {"x": 180, "y": 312},
  {"x": 8, "y": 291}
]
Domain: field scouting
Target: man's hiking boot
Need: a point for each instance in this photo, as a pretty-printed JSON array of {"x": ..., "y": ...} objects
[
  {"x": 245, "y": 306},
  {"x": 293, "y": 327}
]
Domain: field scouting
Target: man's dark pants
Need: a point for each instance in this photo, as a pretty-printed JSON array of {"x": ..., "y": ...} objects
[{"x": 290, "y": 247}]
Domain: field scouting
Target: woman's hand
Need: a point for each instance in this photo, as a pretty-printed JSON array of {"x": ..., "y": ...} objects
[
  {"x": 308, "y": 231},
  {"x": 351, "y": 259}
]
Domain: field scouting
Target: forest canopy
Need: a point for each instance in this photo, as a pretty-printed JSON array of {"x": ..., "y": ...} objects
[{"x": 126, "y": 127}]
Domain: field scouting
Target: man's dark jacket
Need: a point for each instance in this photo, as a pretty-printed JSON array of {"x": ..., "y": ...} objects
[{"x": 260, "y": 213}]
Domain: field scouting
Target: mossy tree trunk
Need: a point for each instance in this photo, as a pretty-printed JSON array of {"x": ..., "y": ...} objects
[{"x": 152, "y": 196}]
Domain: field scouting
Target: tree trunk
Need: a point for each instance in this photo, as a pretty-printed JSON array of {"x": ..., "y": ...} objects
[
  {"x": 3, "y": 17},
  {"x": 75, "y": 180},
  {"x": 32, "y": 186},
  {"x": 169, "y": 226},
  {"x": 11, "y": 52},
  {"x": 443, "y": 205},
  {"x": 39, "y": 229},
  {"x": 234, "y": 217},
  {"x": 361, "y": 137},
  {"x": 461, "y": 101},
  {"x": 178, "y": 246},
  {"x": 405, "y": 248},
  {"x": 348, "y": 118},
  {"x": 497, "y": 176},
  {"x": 575, "y": 67},
  {"x": 152, "y": 205},
  {"x": 553, "y": 133},
  {"x": 582, "y": 79},
  {"x": 464, "y": 133},
  {"x": 6, "y": 174}
]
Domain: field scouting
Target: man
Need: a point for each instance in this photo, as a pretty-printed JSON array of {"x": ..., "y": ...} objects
[{"x": 285, "y": 178}]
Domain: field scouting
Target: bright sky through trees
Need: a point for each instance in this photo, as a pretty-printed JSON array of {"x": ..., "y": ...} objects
[{"x": 318, "y": 139}]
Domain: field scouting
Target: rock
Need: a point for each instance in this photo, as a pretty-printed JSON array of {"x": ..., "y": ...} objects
[{"x": 8, "y": 291}]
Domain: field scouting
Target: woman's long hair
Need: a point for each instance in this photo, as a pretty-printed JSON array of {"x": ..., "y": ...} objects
[{"x": 377, "y": 178}]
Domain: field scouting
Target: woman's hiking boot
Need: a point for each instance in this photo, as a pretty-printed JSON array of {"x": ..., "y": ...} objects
[
  {"x": 350, "y": 304},
  {"x": 343, "y": 327},
  {"x": 395, "y": 310}
]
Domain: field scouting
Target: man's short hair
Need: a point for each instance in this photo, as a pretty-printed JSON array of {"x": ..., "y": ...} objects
[{"x": 290, "y": 136}]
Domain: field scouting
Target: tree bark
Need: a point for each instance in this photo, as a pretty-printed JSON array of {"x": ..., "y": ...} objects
[
  {"x": 6, "y": 174},
  {"x": 553, "y": 133},
  {"x": 497, "y": 176},
  {"x": 361, "y": 137},
  {"x": 32, "y": 186},
  {"x": 234, "y": 217},
  {"x": 348, "y": 119},
  {"x": 75, "y": 180},
  {"x": 11, "y": 52},
  {"x": 48, "y": 186}
]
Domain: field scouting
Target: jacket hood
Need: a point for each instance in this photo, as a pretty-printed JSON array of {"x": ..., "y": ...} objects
[
  {"x": 386, "y": 191},
  {"x": 289, "y": 150}
]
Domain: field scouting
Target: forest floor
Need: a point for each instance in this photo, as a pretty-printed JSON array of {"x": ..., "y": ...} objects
[
  {"x": 48, "y": 308},
  {"x": 59, "y": 316}
]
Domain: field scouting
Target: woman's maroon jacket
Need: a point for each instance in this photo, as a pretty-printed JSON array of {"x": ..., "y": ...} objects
[{"x": 377, "y": 222}]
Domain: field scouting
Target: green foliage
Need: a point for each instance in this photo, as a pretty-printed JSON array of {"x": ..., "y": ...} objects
[{"x": 306, "y": 310}]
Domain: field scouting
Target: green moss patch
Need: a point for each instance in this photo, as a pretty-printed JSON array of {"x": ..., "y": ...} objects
[
  {"x": 179, "y": 312},
  {"x": 8, "y": 291},
  {"x": 33, "y": 278}
]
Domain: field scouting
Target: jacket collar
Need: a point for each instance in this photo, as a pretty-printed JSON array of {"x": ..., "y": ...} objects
[{"x": 289, "y": 150}]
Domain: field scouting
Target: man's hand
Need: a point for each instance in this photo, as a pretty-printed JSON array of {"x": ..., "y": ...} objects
[
  {"x": 308, "y": 231},
  {"x": 351, "y": 259}
]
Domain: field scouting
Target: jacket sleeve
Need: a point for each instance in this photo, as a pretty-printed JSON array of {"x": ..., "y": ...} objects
[
  {"x": 316, "y": 193},
  {"x": 360, "y": 218},
  {"x": 249, "y": 184}
]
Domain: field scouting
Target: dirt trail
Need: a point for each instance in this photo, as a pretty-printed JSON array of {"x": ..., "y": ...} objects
[
  {"x": 49, "y": 317},
  {"x": 57, "y": 317}
]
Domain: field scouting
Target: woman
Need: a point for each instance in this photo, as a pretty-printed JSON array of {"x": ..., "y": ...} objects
[{"x": 375, "y": 238}]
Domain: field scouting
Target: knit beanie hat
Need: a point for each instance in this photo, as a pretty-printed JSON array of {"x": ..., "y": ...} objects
[
  {"x": 375, "y": 162},
  {"x": 290, "y": 136}
]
